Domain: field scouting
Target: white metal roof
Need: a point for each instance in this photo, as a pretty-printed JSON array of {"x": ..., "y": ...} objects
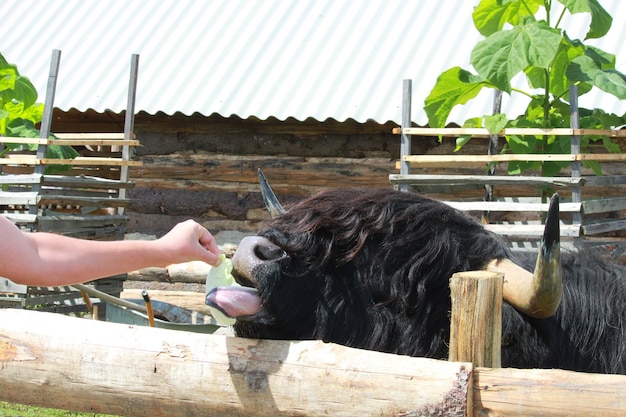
[{"x": 304, "y": 59}]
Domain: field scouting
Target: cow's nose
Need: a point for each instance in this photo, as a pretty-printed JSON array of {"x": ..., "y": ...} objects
[
  {"x": 254, "y": 252},
  {"x": 267, "y": 251}
]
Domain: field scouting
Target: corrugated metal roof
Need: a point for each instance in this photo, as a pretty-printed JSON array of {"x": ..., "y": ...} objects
[{"x": 304, "y": 59}]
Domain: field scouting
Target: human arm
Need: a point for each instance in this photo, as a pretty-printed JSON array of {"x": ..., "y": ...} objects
[{"x": 47, "y": 259}]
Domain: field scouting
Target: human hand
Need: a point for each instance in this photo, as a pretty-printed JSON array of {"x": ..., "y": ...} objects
[{"x": 190, "y": 241}]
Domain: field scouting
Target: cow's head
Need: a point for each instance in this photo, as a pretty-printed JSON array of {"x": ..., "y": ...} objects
[{"x": 367, "y": 267}]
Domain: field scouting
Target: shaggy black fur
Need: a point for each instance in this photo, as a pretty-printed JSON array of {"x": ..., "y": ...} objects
[{"x": 370, "y": 269}]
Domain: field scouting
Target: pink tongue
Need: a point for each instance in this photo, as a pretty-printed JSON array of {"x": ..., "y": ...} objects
[{"x": 236, "y": 301}]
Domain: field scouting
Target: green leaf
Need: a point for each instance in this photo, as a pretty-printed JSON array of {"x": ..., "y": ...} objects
[
  {"x": 462, "y": 140},
  {"x": 495, "y": 123},
  {"x": 601, "y": 20},
  {"x": 504, "y": 54},
  {"x": 605, "y": 60},
  {"x": 7, "y": 78},
  {"x": 585, "y": 69},
  {"x": 25, "y": 91},
  {"x": 454, "y": 86},
  {"x": 491, "y": 15}
]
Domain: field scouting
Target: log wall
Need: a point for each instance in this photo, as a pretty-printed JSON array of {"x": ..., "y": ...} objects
[{"x": 205, "y": 167}]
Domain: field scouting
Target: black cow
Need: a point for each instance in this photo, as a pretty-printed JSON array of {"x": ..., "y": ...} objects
[{"x": 370, "y": 269}]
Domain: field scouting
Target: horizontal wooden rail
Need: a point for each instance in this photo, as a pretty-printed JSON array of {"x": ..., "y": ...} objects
[
  {"x": 101, "y": 367},
  {"x": 532, "y": 230},
  {"x": 20, "y": 179},
  {"x": 481, "y": 132},
  {"x": 510, "y": 206},
  {"x": 83, "y": 201},
  {"x": 77, "y": 139},
  {"x": 514, "y": 157},
  {"x": 81, "y": 160},
  {"x": 83, "y": 181},
  {"x": 18, "y": 197},
  {"x": 425, "y": 179}
]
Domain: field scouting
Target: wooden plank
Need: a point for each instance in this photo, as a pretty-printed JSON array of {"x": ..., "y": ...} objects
[
  {"x": 603, "y": 226},
  {"x": 83, "y": 201},
  {"x": 425, "y": 179},
  {"x": 513, "y": 157},
  {"x": 80, "y": 160},
  {"x": 484, "y": 133},
  {"x": 93, "y": 142},
  {"x": 547, "y": 392},
  {"x": 531, "y": 229},
  {"x": 510, "y": 206},
  {"x": 95, "y": 161},
  {"x": 26, "y": 141},
  {"x": 604, "y": 205},
  {"x": 8, "y": 286},
  {"x": 20, "y": 218},
  {"x": 67, "y": 221},
  {"x": 20, "y": 179},
  {"x": 110, "y": 368},
  {"x": 605, "y": 181},
  {"x": 90, "y": 136},
  {"x": 18, "y": 197},
  {"x": 12, "y": 159},
  {"x": 84, "y": 181}
]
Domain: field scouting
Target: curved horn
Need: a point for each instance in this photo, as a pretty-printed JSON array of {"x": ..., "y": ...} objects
[
  {"x": 537, "y": 295},
  {"x": 271, "y": 202}
]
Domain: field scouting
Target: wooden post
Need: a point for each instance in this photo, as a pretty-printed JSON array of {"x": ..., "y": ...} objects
[
  {"x": 405, "y": 140},
  {"x": 129, "y": 124},
  {"x": 64, "y": 362},
  {"x": 476, "y": 317}
]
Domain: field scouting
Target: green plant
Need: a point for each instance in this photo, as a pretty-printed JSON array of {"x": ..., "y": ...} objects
[
  {"x": 13, "y": 410},
  {"x": 20, "y": 113},
  {"x": 525, "y": 36}
]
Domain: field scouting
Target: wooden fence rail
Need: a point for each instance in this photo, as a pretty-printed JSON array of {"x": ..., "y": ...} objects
[
  {"x": 78, "y": 364},
  {"x": 582, "y": 226}
]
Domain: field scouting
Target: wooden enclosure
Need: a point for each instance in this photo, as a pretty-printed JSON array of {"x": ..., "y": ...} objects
[
  {"x": 57, "y": 361},
  {"x": 85, "y": 197},
  {"x": 593, "y": 207}
]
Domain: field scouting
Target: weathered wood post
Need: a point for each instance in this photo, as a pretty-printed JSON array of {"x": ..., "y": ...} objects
[{"x": 476, "y": 317}]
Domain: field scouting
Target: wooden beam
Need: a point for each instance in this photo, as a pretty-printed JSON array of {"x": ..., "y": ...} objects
[
  {"x": 484, "y": 133},
  {"x": 426, "y": 179},
  {"x": 531, "y": 229},
  {"x": 604, "y": 205},
  {"x": 476, "y": 318},
  {"x": 547, "y": 392},
  {"x": 55, "y": 361},
  {"x": 565, "y": 157},
  {"x": 510, "y": 206},
  {"x": 98, "y": 367},
  {"x": 80, "y": 160}
]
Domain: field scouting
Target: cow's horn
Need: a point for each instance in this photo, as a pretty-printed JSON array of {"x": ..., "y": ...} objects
[
  {"x": 539, "y": 294},
  {"x": 271, "y": 202}
]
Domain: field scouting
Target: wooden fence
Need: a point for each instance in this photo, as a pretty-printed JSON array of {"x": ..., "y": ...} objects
[
  {"x": 87, "y": 201},
  {"x": 57, "y": 361},
  {"x": 592, "y": 216}
]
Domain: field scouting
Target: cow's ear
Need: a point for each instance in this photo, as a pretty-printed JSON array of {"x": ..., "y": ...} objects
[{"x": 271, "y": 202}]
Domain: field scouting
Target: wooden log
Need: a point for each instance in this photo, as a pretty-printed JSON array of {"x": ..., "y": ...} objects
[
  {"x": 99, "y": 367},
  {"x": 547, "y": 392},
  {"x": 326, "y": 172},
  {"x": 476, "y": 317}
]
